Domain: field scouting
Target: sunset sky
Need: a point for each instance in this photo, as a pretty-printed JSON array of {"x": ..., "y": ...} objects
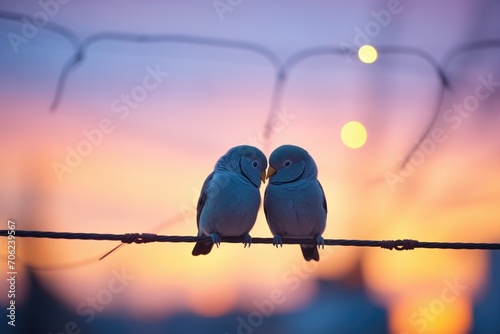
[{"x": 144, "y": 161}]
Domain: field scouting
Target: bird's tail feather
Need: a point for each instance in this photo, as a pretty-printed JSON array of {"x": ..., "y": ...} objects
[
  {"x": 310, "y": 252},
  {"x": 202, "y": 248}
]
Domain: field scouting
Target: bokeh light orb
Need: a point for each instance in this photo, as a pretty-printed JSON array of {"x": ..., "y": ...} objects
[
  {"x": 353, "y": 134},
  {"x": 367, "y": 54}
]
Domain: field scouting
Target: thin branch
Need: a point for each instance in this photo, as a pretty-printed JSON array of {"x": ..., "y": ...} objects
[
  {"x": 304, "y": 54},
  {"x": 282, "y": 69},
  {"x": 61, "y": 30},
  {"x": 157, "y": 38},
  {"x": 469, "y": 47}
]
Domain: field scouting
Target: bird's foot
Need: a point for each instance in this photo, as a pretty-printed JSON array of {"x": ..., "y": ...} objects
[
  {"x": 320, "y": 241},
  {"x": 215, "y": 239},
  {"x": 278, "y": 241},
  {"x": 247, "y": 240}
]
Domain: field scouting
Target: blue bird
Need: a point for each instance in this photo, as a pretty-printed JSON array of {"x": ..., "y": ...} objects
[
  {"x": 294, "y": 201},
  {"x": 230, "y": 197}
]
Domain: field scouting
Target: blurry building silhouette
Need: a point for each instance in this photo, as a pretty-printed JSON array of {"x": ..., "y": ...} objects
[
  {"x": 487, "y": 307},
  {"x": 340, "y": 306}
]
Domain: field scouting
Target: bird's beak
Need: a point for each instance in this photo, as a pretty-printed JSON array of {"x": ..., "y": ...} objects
[
  {"x": 263, "y": 176},
  {"x": 270, "y": 172}
]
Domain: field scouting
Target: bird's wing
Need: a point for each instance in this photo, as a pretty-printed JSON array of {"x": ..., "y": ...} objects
[
  {"x": 203, "y": 197},
  {"x": 324, "y": 198},
  {"x": 264, "y": 205}
]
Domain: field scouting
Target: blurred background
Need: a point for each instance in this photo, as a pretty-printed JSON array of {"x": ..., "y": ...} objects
[{"x": 139, "y": 126}]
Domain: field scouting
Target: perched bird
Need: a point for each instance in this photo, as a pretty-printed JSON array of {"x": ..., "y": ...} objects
[
  {"x": 294, "y": 201},
  {"x": 230, "y": 197}
]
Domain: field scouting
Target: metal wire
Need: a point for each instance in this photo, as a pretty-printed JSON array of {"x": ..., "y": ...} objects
[{"x": 140, "y": 238}]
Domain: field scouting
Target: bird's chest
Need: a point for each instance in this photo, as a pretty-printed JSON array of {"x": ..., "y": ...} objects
[
  {"x": 232, "y": 201},
  {"x": 233, "y": 193},
  {"x": 294, "y": 210},
  {"x": 292, "y": 197}
]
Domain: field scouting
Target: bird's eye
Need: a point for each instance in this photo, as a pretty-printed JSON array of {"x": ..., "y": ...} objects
[
  {"x": 287, "y": 163},
  {"x": 255, "y": 164}
]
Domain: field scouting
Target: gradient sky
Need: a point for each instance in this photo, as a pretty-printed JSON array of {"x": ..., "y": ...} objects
[{"x": 146, "y": 172}]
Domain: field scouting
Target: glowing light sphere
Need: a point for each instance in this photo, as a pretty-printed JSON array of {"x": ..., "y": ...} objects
[
  {"x": 353, "y": 134},
  {"x": 367, "y": 54}
]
